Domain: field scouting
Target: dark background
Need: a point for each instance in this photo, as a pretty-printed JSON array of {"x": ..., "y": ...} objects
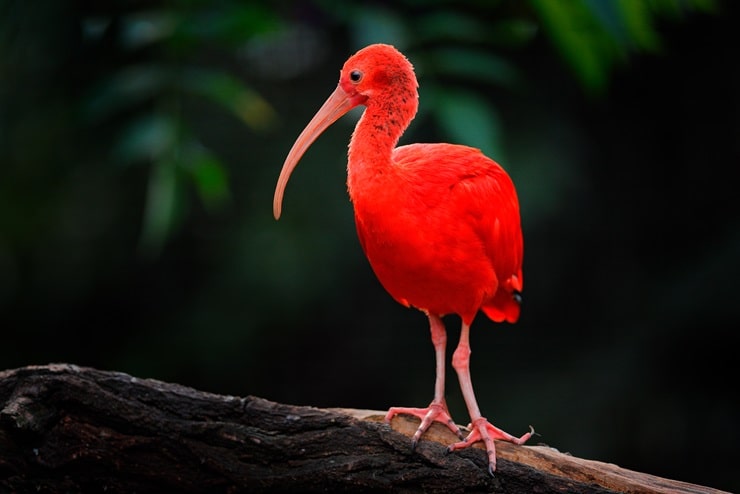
[{"x": 140, "y": 143}]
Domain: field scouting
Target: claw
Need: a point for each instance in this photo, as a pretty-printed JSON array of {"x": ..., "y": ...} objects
[
  {"x": 453, "y": 427},
  {"x": 435, "y": 412},
  {"x": 482, "y": 430}
]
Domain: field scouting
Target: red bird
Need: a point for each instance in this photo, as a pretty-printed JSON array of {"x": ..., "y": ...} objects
[{"x": 439, "y": 223}]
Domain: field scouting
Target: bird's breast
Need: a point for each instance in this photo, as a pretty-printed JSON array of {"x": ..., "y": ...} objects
[
  {"x": 421, "y": 255},
  {"x": 440, "y": 226}
]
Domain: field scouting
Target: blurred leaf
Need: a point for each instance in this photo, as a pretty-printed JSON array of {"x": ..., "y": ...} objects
[
  {"x": 450, "y": 25},
  {"x": 468, "y": 119},
  {"x": 377, "y": 25},
  {"x": 473, "y": 65},
  {"x": 638, "y": 23},
  {"x": 210, "y": 178},
  {"x": 230, "y": 22},
  {"x": 94, "y": 27},
  {"x": 128, "y": 86},
  {"x": 147, "y": 138},
  {"x": 176, "y": 33},
  {"x": 161, "y": 206},
  {"x": 581, "y": 40},
  {"x": 513, "y": 32},
  {"x": 285, "y": 53},
  {"x": 145, "y": 28},
  {"x": 676, "y": 9},
  {"x": 595, "y": 35},
  {"x": 608, "y": 14},
  {"x": 230, "y": 93}
]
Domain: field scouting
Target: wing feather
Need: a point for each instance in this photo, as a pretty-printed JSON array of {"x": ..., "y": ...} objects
[{"x": 473, "y": 189}]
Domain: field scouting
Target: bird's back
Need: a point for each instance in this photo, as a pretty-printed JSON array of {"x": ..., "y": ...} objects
[{"x": 442, "y": 232}]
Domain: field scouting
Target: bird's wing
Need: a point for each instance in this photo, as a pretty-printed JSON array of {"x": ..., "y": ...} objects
[{"x": 473, "y": 188}]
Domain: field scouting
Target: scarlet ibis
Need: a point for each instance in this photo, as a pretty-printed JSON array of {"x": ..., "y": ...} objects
[{"x": 439, "y": 223}]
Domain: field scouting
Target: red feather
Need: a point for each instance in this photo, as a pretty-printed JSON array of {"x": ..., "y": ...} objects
[
  {"x": 441, "y": 230},
  {"x": 439, "y": 223}
]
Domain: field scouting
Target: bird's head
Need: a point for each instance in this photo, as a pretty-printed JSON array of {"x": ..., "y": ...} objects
[
  {"x": 379, "y": 73},
  {"x": 376, "y": 75}
]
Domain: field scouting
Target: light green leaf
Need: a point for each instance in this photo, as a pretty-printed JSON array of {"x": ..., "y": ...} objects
[
  {"x": 160, "y": 210},
  {"x": 581, "y": 40},
  {"x": 513, "y": 32},
  {"x": 377, "y": 25},
  {"x": 468, "y": 119},
  {"x": 210, "y": 178},
  {"x": 127, "y": 87},
  {"x": 595, "y": 35},
  {"x": 147, "y": 138},
  {"x": 472, "y": 64},
  {"x": 145, "y": 28},
  {"x": 231, "y": 22},
  {"x": 230, "y": 93},
  {"x": 449, "y": 24}
]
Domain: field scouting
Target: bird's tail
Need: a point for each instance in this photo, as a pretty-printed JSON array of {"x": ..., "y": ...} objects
[{"x": 506, "y": 304}]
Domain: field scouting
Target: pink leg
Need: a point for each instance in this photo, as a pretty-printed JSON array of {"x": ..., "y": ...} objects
[
  {"x": 437, "y": 410},
  {"x": 481, "y": 429}
]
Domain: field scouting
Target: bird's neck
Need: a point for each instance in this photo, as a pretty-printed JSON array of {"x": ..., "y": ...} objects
[{"x": 373, "y": 141}]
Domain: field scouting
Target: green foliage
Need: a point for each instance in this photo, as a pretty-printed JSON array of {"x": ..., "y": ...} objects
[
  {"x": 152, "y": 91},
  {"x": 593, "y": 36},
  {"x": 159, "y": 65},
  {"x": 466, "y": 45},
  {"x": 455, "y": 49},
  {"x": 467, "y": 117},
  {"x": 140, "y": 143}
]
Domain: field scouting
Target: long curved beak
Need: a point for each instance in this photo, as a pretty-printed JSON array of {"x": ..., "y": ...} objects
[{"x": 333, "y": 108}]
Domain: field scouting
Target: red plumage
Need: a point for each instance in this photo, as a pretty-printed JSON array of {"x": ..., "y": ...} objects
[
  {"x": 441, "y": 230},
  {"x": 439, "y": 223}
]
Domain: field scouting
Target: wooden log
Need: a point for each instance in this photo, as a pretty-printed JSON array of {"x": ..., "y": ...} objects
[{"x": 65, "y": 428}]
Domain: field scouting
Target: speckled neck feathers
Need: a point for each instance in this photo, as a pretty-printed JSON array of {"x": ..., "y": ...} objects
[{"x": 392, "y": 102}]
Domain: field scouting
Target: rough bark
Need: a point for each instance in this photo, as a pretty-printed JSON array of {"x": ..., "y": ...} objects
[{"x": 69, "y": 429}]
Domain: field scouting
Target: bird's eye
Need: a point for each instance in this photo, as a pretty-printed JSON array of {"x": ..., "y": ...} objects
[{"x": 355, "y": 76}]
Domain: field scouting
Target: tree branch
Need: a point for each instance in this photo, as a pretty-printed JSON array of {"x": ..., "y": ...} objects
[{"x": 64, "y": 428}]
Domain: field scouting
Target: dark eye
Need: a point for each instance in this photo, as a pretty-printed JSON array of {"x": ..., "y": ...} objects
[{"x": 355, "y": 76}]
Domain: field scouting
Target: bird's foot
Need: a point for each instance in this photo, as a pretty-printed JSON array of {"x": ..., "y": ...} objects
[
  {"x": 482, "y": 430},
  {"x": 435, "y": 412}
]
